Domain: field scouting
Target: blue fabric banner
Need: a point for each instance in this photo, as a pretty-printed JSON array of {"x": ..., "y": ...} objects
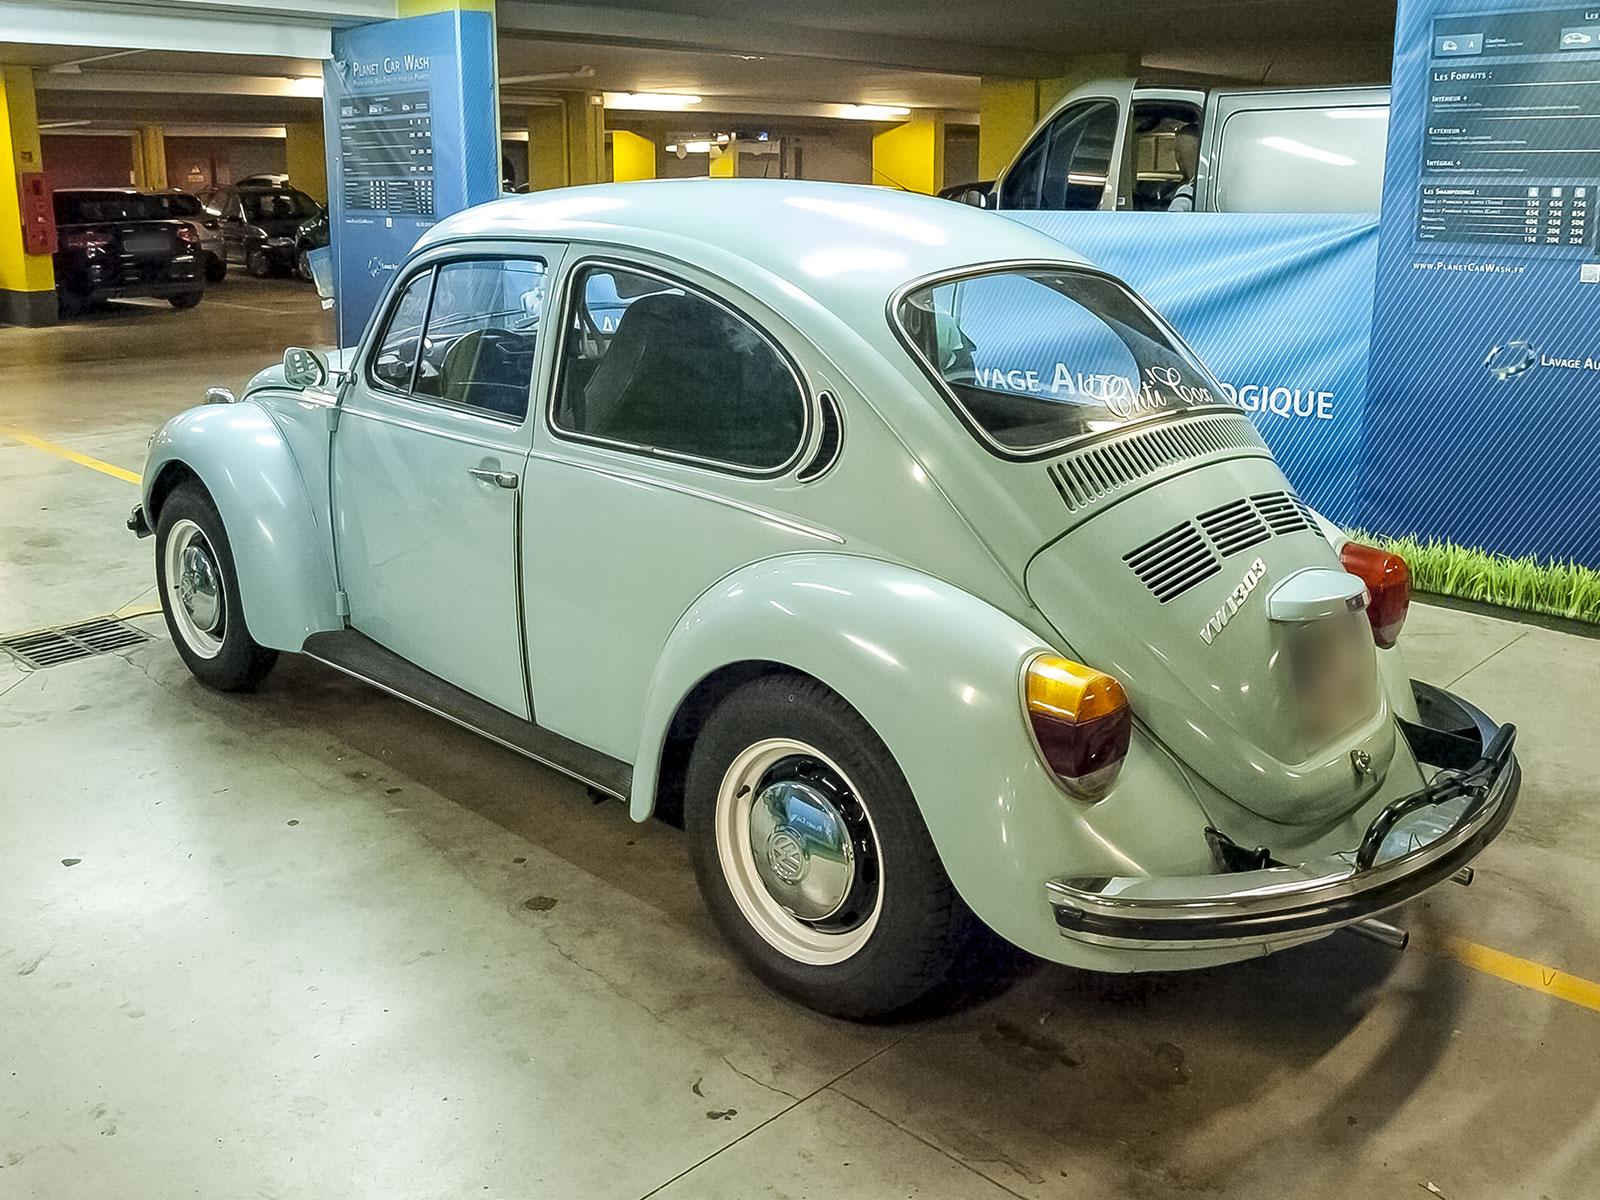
[
  {"x": 1278, "y": 306},
  {"x": 1486, "y": 352},
  {"x": 412, "y": 126}
]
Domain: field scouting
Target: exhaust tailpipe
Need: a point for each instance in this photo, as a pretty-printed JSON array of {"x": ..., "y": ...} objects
[{"x": 1381, "y": 931}]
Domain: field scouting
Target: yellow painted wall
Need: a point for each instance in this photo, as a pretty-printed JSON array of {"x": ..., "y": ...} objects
[
  {"x": 911, "y": 156},
  {"x": 306, "y": 158},
  {"x": 421, "y": 8},
  {"x": 724, "y": 161},
  {"x": 20, "y": 152},
  {"x": 586, "y": 138},
  {"x": 547, "y": 147},
  {"x": 632, "y": 156},
  {"x": 1008, "y": 109}
]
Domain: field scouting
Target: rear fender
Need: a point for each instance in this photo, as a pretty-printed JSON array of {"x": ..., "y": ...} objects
[
  {"x": 280, "y": 539},
  {"x": 936, "y": 672}
]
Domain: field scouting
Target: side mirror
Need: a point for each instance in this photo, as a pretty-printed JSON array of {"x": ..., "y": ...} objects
[{"x": 304, "y": 368}]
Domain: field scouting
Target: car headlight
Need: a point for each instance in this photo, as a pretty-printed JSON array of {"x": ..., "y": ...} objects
[
  {"x": 280, "y": 241},
  {"x": 1081, "y": 723}
]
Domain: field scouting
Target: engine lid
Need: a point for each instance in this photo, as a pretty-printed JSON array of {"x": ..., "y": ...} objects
[{"x": 1169, "y": 590}]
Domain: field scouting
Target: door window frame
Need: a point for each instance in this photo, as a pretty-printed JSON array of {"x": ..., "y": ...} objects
[
  {"x": 568, "y": 311},
  {"x": 430, "y": 267}
]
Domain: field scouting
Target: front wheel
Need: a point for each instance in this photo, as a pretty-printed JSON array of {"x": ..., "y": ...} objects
[
  {"x": 257, "y": 263},
  {"x": 302, "y": 265},
  {"x": 812, "y": 855},
  {"x": 185, "y": 300},
  {"x": 200, "y": 594}
]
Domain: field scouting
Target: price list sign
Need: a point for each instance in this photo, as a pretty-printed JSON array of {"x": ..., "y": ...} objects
[
  {"x": 387, "y": 145},
  {"x": 1554, "y": 215},
  {"x": 1511, "y": 140}
]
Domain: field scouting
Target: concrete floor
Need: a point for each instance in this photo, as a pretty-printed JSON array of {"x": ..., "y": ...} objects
[{"x": 314, "y": 943}]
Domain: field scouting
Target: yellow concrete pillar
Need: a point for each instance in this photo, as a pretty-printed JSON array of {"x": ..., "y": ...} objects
[
  {"x": 149, "y": 158},
  {"x": 632, "y": 156},
  {"x": 911, "y": 156},
  {"x": 1008, "y": 109},
  {"x": 725, "y": 160},
  {"x": 547, "y": 146},
  {"x": 27, "y": 281},
  {"x": 307, "y": 160},
  {"x": 586, "y": 137}
]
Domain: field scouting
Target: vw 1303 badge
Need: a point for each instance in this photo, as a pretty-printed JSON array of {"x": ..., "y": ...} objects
[{"x": 1233, "y": 603}]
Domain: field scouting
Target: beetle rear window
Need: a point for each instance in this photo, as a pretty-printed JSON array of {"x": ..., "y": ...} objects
[{"x": 1036, "y": 358}]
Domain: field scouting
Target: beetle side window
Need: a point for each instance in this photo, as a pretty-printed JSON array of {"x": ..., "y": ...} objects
[
  {"x": 651, "y": 363},
  {"x": 480, "y": 341},
  {"x": 397, "y": 352}
]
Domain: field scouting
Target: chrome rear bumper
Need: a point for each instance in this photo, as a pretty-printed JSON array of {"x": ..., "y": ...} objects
[{"x": 1281, "y": 903}]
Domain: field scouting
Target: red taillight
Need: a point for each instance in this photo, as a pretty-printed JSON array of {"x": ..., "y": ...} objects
[
  {"x": 188, "y": 236},
  {"x": 85, "y": 239},
  {"x": 1388, "y": 581},
  {"x": 1081, "y": 720}
]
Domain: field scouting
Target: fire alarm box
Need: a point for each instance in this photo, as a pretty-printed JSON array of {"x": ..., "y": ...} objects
[{"x": 38, "y": 214}]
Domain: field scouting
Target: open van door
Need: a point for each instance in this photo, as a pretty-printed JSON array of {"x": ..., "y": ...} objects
[
  {"x": 1294, "y": 150},
  {"x": 1073, "y": 159}
]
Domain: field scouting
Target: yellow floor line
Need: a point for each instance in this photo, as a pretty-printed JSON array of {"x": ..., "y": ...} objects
[
  {"x": 83, "y": 460},
  {"x": 1520, "y": 971}
]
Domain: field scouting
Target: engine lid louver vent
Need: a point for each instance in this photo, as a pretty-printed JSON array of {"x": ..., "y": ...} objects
[
  {"x": 1177, "y": 559},
  {"x": 1095, "y": 472}
]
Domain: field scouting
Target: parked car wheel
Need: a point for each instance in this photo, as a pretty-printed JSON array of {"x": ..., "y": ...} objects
[
  {"x": 812, "y": 855},
  {"x": 216, "y": 268},
  {"x": 70, "y": 305},
  {"x": 257, "y": 263},
  {"x": 302, "y": 264},
  {"x": 186, "y": 299},
  {"x": 200, "y": 594}
]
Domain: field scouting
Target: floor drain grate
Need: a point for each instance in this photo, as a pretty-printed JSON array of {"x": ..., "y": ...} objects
[{"x": 68, "y": 643}]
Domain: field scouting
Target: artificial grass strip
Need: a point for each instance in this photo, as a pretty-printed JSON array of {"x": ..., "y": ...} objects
[{"x": 1554, "y": 588}]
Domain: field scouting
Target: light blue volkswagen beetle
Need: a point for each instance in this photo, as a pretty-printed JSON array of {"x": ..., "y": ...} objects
[{"x": 916, "y": 563}]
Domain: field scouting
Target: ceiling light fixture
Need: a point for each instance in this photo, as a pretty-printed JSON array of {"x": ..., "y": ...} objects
[
  {"x": 305, "y": 85},
  {"x": 874, "y": 112},
  {"x": 650, "y": 101}
]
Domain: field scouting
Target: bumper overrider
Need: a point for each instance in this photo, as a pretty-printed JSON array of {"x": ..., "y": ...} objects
[{"x": 1270, "y": 901}]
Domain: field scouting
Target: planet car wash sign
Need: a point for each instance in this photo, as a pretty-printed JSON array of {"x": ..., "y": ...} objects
[
  {"x": 412, "y": 127},
  {"x": 1279, "y": 306},
  {"x": 1486, "y": 354}
]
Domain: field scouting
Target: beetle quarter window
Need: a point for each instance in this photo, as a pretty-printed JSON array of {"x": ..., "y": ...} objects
[
  {"x": 1036, "y": 358},
  {"x": 652, "y": 364},
  {"x": 397, "y": 353},
  {"x": 478, "y": 350}
]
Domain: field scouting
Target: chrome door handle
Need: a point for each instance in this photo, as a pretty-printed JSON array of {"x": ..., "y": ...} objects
[{"x": 505, "y": 479}]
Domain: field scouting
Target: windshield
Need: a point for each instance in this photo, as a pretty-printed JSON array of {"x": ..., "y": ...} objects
[
  {"x": 286, "y": 205},
  {"x": 1036, "y": 357},
  {"x": 87, "y": 208}
]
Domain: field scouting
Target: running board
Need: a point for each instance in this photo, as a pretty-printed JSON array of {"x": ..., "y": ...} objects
[{"x": 357, "y": 655}]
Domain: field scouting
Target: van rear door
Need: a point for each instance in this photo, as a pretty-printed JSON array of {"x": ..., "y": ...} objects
[
  {"x": 1294, "y": 150},
  {"x": 1074, "y": 157}
]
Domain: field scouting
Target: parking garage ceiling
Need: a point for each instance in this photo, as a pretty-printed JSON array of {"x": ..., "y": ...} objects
[{"x": 772, "y": 60}]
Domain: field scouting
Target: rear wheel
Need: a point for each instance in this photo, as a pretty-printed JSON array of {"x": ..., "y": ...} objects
[
  {"x": 216, "y": 268},
  {"x": 186, "y": 299},
  {"x": 257, "y": 263},
  {"x": 812, "y": 855},
  {"x": 200, "y": 594},
  {"x": 302, "y": 264}
]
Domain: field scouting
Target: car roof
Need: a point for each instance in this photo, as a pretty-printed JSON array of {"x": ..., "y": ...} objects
[{"x": 846, "y": 246}]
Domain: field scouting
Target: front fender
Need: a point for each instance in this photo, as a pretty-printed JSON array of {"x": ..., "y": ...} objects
[
  {"x": 937, "y": 673},
  {"x": 279, "y": 537}
]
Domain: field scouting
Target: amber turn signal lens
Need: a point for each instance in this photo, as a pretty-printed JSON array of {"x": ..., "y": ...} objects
[
  {"x": 1388, "y": 581},
  {"x": 1081, "y": 721}
]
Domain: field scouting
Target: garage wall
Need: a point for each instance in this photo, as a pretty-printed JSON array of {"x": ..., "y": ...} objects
[
  {"x": 194, "y": 163},
  {"x": 87, "y": 161},
  {"x": 843, "y": 157}
]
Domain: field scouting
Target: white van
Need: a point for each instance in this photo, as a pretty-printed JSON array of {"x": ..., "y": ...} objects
[{"x": 1112, "y": 144}]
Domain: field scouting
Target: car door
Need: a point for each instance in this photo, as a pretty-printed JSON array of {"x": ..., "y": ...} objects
[
  {"x": 233, "y": 226},
  {"x": 1073, "y": 160},
  {"x": 428, "y": 459}
]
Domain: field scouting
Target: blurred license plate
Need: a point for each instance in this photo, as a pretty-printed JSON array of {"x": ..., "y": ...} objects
[
  {"x": 1335, "y": 669},
  {"x": 148, "y": 243}
]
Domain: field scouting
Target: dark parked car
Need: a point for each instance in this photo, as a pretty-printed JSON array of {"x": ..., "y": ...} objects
[
  {"x": 267, "y": 228},
  {"x": 115, "y": 243},
  {"x": 182, "y": 206}
]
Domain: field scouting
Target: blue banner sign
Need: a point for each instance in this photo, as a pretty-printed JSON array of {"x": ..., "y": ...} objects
[
  {"x": 1278, "y": 306},
  {"x": 412, "y": 127},
  {"x": 1486, "y": 352}
]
